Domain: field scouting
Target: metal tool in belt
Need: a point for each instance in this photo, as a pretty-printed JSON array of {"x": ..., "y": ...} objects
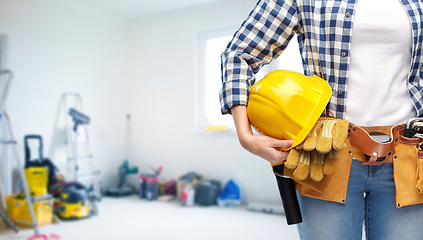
[{"x": 414, "y": 128}]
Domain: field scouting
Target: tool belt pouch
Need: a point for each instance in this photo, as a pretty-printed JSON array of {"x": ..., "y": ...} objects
[
  {"x": 330, "y": 188},
  {"x": 403, "y": 152},
  {"x": 408, "y": 171}
]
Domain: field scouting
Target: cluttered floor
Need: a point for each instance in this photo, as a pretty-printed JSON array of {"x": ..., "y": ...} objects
[{"x": 135, "y": 218}]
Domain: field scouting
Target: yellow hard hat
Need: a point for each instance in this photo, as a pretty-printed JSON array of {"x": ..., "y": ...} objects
[{"x": 286, "y": 104}]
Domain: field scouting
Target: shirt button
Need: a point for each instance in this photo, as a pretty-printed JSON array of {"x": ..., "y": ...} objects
[
  {"x": 347, "y": 14},
  {"x": 340, "y": 93},
  {"x": 343, "y": 54},
  {"x": 421, "y": 68}
]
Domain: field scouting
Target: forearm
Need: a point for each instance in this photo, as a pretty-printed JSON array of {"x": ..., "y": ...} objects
[
  {"x": 242, "y": 125},
  {"x": 263, "y": 146}
]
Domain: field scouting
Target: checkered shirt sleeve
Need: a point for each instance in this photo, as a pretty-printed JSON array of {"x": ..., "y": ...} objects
[
  {"x": 415, "y": 83},
  {"x": 260, "y": 39}
]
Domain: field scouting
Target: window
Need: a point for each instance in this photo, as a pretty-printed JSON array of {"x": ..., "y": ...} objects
[{"x": 211, "y": 44}]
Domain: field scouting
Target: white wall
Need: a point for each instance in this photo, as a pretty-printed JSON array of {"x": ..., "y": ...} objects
[
  {"x": 163, "y": 64},
  {"x": 145, "y": 67},
  {"x": 57, "y": 47}
]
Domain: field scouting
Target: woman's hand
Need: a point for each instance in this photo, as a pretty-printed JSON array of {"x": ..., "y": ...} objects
[{"x": 261, "y": 145}]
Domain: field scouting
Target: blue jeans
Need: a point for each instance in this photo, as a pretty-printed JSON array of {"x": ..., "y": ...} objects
[{"x": 370, "y": 197}]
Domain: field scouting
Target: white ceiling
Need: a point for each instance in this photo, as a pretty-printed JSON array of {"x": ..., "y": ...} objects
[{"x": 136, "y": 8}]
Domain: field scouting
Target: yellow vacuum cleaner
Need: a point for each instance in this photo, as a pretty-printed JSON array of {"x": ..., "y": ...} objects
[{"x": 75, "y": 202}]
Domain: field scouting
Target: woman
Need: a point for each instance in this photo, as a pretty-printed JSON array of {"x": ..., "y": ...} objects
[{"x": 370, "y": 54}]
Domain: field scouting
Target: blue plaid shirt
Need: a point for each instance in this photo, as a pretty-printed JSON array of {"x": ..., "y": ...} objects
[{"x": 323, "y": 30}]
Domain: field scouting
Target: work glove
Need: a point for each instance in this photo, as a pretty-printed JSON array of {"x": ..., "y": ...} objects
[{"x": 317, "y": 155}]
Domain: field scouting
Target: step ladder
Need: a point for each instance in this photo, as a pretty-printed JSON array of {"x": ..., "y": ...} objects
[
  {"x": 3, "y": 214},
  {"x": 78, "y": 147},
  {"x": 5, "y": 117},
  {"x": 11, "y": 141}
]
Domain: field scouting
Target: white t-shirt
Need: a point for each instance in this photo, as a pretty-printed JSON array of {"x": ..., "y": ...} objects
[{"x": 380, "y": 62}]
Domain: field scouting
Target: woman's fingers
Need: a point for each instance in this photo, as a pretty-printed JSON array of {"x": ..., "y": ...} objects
[{"x": 269, "y": 148}]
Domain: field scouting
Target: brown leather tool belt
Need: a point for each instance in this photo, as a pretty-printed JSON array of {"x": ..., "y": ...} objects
[{"x": 372, "y": 152}]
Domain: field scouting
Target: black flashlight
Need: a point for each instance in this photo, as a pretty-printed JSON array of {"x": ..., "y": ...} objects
[{"x": 288, "y": 196}]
